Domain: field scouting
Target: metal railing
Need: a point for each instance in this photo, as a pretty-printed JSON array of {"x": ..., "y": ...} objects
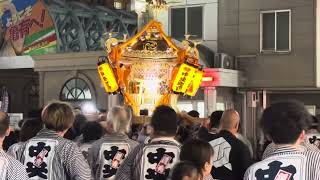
[{"x": 81, "y": 27}]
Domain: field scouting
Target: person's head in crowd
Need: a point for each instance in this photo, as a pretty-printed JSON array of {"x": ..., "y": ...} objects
[
  {"x": 102, "y": 119},
  {"x": 318, "y": 124},
  {"x": 164, "y": 122},
  {"x": 230, "y": 121},
  {"x": 286, "y": 122},
  {"x": 76, "y": 129},
  {"x": 92, "y": 131},
  {"x": 20, "y": 123},
  {"x": 185, "y": 170},
  {"x": 145, "y": 132},
  {"x": 143, "y": 129},
  {"x": 314, "y": 123},
  {"x": 181, "y": 121},
  {"x": 215, "y": 118},
  {"x": 135, "y": 136},
  {"x": 12, "y": 135},
  {"x": 102, "y": 111},
  {"x": 194, "y": 113},
  {"x": 35, "y": 113},
  {"x": 117, "y": 120},
  {"x": 30, "y": 128},
  {"x": 4, "y": 127},
  {"x": 79, "y": 121},
  {"x": 149, "y": 129},
  {"x": 77, "y": 110},
  {"x": 146, "y": 129},
  {"x": 200, "y": 153},
  {"x": 135, "y": 128},
  {"x": 58, "y": 116},
  {"x": 184, "y": 133}
]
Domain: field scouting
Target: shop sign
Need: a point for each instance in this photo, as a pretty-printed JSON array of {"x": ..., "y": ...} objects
[{"x": 28, "y": 27}]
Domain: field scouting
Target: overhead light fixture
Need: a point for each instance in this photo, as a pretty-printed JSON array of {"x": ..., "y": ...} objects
[
  {"x": 157, "y": 4},
  {"x": 118, "y": 4},
  {"x": 207, "y": 79},
  {"x": 211, "y": 78},
  {"x": 140, "y": 6},
  {"x": 89, "y": 108}
]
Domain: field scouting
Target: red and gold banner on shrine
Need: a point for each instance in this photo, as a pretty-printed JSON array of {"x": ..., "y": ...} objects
[{"x": 28, "y": 26}]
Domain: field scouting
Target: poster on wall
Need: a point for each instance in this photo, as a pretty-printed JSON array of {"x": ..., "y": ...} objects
[
  {"x": 14, "y": 119},
  {"x": 311, "y": 109},
  {"x": 28, "y": 27}
]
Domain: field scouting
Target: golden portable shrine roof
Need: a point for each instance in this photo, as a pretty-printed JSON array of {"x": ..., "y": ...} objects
[
  {"x": 150, "y": 43},
  {"x": 149, "y": 69}
]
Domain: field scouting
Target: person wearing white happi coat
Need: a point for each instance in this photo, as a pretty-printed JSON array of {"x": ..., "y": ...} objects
[
  {"x": 285, "y": 124},
  {"x": 91, "y": 132},
  {"x": 107, "y": 153},
  {"x": 29, "y": 129},
  {"x": 311, "y": 141},
  {"x": 48, "y": 155},
  {"x": 313, "y": 133},
  {"x": 154, "y": 160}
]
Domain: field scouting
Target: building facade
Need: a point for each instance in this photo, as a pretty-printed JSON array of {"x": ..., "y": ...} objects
[
  {"x": 276, "y": 44},
  {"x": 68, "y": 71},
  {"x": 199, "y": 20}
]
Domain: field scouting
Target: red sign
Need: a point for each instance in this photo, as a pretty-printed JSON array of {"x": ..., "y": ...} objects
[{"x": 211, "y": 78}]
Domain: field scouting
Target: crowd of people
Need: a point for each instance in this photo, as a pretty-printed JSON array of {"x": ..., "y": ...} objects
[{"x": 59, "y": 143}]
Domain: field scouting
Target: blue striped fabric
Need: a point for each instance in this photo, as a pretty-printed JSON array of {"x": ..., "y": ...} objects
[{"x": 13, "y": 170}]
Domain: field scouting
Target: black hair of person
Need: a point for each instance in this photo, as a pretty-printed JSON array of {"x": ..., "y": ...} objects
[
  {"x": 92, "y": 131},
  {"x": 215, "y": 118},
  {"x": 194, "y": 113},
  {"x": 164, "y": 121},
  {"x": 30, "y": 128},
  {"x": 185, "y": 169},
  {"x": 35, "y": 113},
  {"x": 314, "y": 123},
  {"x": 196, "y": 151},
  {"x": 76, "y": 128},
  {"x": 284, "y": 121}
]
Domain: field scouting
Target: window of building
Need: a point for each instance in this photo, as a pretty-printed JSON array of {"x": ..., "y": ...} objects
[
  {"x": 192, "y": 105},
  {"x": 74, "y": 90},
  {"x": 187, "y": 20},
  {"x": 220, "y": 106},
  {"x": 200, "y": 109},
  {"x": 185, "y": 106},
  {"x": 275, "y": 28}
]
